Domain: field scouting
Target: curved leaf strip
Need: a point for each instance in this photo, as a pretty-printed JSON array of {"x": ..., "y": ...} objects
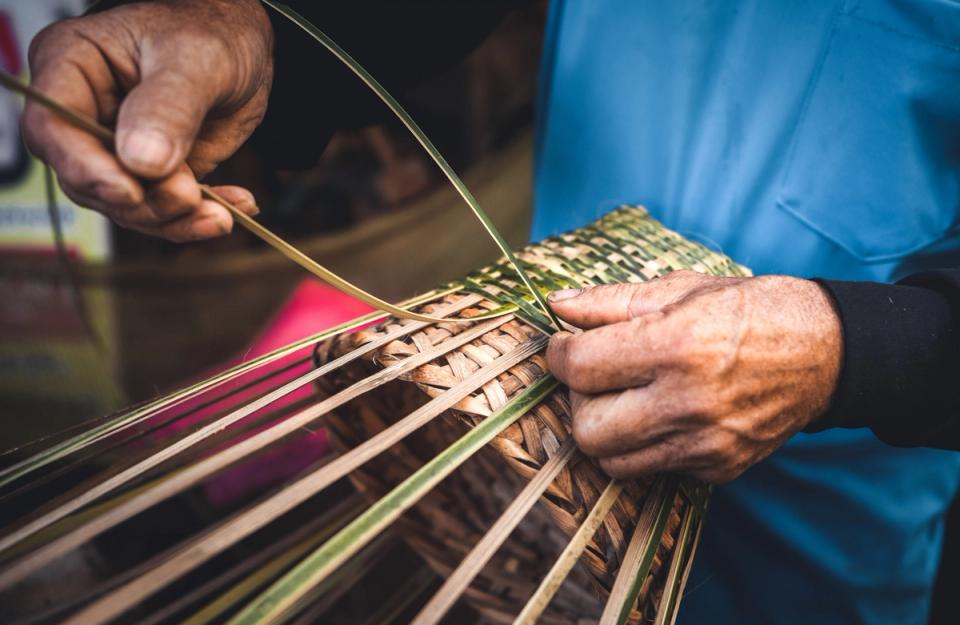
[
  {"x": 282, "y": 595},
  {"x": 422, "y": 138}
]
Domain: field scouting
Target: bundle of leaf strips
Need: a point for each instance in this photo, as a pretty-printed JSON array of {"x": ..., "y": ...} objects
[
  {"x": 457, "y": 424},
  {"x": 625, "y": 246},
  {"x": 483, "y": 373}
]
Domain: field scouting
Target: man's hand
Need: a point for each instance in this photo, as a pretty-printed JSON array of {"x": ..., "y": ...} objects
[
  {"x": 184, "y": 82},
  {"x": 695, "y": 374}
]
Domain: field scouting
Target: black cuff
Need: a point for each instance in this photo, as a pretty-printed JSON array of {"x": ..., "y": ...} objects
[{"x": 899, "y": 357}]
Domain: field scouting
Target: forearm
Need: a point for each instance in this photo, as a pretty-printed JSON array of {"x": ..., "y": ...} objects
[{"x": 901, "y": 365}]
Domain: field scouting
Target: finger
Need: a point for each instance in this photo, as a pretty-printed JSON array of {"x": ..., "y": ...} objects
[
  {"x": 179, "y": 194},
  {"x": 593, "y": 307},
  {"x": 615, "y": 423},
  {"x": 81, "y": 160},
  {"x": 211, "y": 219},
  {"x": 160, "y": 117},
  {"x": 612, "y": 357},
  {"x": 659, "y": 458},
  {"x": 124, "y": 214},
  {"x": 174, "y": 196},
  {"x": 240, "y": 198}
]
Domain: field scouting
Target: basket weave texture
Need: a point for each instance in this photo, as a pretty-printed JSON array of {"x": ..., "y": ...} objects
[{"x": 626, "y": 245}]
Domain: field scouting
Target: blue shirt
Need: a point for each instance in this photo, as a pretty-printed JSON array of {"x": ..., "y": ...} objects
[{"x": 812, "y": 138}]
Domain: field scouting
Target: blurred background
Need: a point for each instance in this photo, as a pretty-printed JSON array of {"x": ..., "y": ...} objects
[
  {"x": 112, "y": 318},
  {"x": 130, "y": 316}
]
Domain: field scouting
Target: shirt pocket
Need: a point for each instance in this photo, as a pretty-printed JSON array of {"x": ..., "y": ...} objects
[{"x": 874, "y": 163}]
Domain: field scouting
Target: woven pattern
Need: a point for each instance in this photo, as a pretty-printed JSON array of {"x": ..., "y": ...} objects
[{"x": 625, "y": 246}]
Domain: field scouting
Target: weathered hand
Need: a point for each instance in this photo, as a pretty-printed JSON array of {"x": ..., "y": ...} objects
[
  {"x": 695, "y": 374},
  {"x": 185, "y": 83}
]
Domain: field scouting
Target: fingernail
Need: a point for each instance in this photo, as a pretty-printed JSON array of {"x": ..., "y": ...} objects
[
  {"x": 564, "y": 294},
  {"x": 147, "y": 148}
]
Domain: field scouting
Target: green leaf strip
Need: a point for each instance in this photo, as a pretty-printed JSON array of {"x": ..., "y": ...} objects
[
  {"x": 125, "y": 420},
  {"x": 198, "y": 550},
  {"x": 638, "y": 558},
  {"x": 568, "y": 557},
  {"x": 265, "y": 569},
  {"x": 192, "y": 475},
  {"x": 458, "y": 581},
  {"x": 291, "y": 252},
  {"x": 272, "y": 604},
  {"x": 679, "y": 568},
  {"x": 422, "y": 138}
]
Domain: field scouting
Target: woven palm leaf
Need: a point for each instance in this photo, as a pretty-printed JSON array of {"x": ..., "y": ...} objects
[
  {"x": 625, "y": 246},
  {"x": 447, "y": 422},
  {"x": 453, "y": 431}
]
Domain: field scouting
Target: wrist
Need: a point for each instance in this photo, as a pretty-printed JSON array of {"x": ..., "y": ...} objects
[
  {"x": 829, "y": 332},
  {"x": 898, "y": 344}
]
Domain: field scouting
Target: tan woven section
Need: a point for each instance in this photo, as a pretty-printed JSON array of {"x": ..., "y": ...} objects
[{"x": 625, "y": 246}]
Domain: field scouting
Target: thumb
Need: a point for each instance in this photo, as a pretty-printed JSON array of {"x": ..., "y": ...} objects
[
  {"x": 597, "y": 306},
  {"x": 159, "y": 119}
]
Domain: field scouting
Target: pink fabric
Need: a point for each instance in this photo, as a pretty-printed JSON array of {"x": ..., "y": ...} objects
[{"x": 312, "y": 307}]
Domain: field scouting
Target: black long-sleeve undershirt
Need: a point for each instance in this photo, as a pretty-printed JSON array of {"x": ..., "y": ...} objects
[{"x": 901, "y": 362}]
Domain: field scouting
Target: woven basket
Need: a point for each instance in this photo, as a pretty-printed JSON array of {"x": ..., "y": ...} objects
[{"x": 624, "y": 246}]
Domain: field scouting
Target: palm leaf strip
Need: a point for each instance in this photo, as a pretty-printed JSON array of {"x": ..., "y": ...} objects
[
  {"x": 204, "y": 547},
  {"x": 77, "y": 443},
  {"x": 278, "y": 243},
  {"x": 282, "y": 595},
  {"x": 343, "y": 580},
  {"x": 679, "y": 568},
  {"x": 448, "y": 594},
  {"x": 638, "y": 558},
  {"x": 259, "y": 570},
  {"x": 138, "y": 469},
  {"x": 188, "y": 477},
  {"x": 551, "y": 582},
  {"x": 424, "y": 141}
]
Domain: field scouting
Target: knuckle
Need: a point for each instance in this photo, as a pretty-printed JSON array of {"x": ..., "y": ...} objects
[
  {"x": 636, "y": 296},
  {"x": 577, "y": 364},
  {"x": 614, "y": 468},
  {"x": 586, "y": 432},
  {"x": 53, "y": 33},
  {"x": 63, "y": 40},
  {"x": 697, "y": 400},
  {"x": 169, "y": 204},
  {"x": 77, "y": 174},
  {"x": 140, "y": 217},
  {"x": 721, "y": 447},
  {"x": 681, "y": 274},
  {"x": 560, "y": 358},
  {"x": 675, "y": 339},
  {"x": 33, "y": 122}
]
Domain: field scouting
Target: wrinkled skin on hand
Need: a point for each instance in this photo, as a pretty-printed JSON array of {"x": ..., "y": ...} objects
[
  {"x": 695, "y": 374},
  {"x": 184, "y": 83}
]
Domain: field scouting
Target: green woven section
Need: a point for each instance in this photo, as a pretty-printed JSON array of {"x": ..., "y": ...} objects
[{"x": 626, "y": 245}]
